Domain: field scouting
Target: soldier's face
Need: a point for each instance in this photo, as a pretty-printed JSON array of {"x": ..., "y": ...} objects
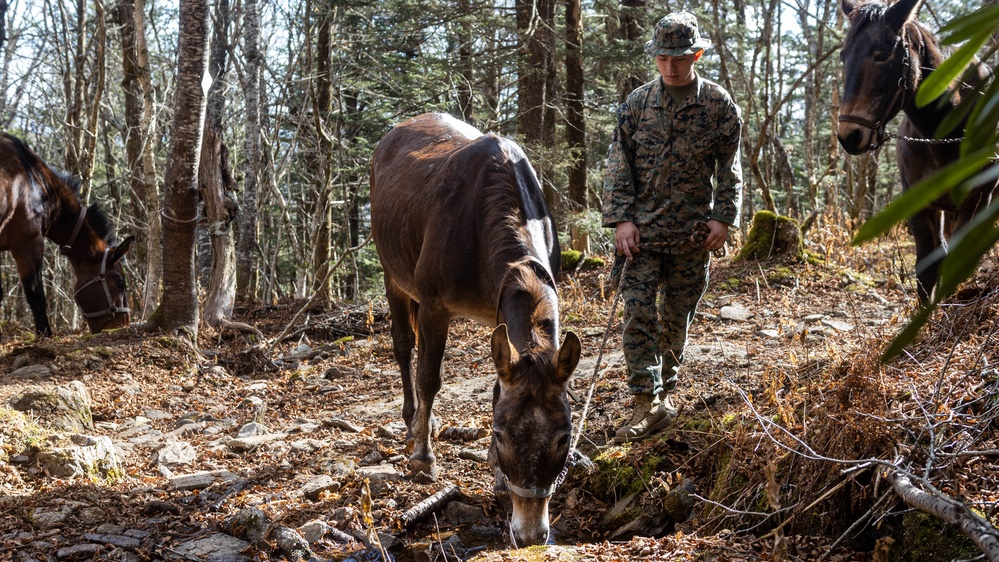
[{"x": 677, "y": 71}]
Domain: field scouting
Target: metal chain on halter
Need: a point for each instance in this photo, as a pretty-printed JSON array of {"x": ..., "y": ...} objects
[{"x": 906, "y": 64}]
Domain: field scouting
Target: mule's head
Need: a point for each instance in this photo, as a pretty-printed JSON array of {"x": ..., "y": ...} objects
[
  {"x": 100, "y": 289},
  {"x": 532, "y": 429},
  {"x": 879, "y": 68}
]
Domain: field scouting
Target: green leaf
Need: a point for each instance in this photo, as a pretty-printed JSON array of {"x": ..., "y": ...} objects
[
  {"x": 919, "y": 196},
  {"x": 938, "y": 81},
  {"x": 965, "y": 27},
  {"x": 908, "y": 334}
]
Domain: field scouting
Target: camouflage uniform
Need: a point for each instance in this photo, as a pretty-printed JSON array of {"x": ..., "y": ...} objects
[{"x": 662, "y": 163}]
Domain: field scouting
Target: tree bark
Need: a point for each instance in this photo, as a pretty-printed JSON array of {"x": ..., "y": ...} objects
[
  {"x": 321, "y": 21},
  {"x": 218, "y": 188},
  {"x": 178, "y": 309},
  {"x": 139, "y": 149},
  {"x": 633, "y": 33},
  {"x": 575, "y": 121},
  {"x": 246, "y": 246}
]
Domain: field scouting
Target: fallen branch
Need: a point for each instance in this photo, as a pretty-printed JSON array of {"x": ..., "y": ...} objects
[
  {"x": 952, "y": 511},
  {"x": 421, "y": 510}
]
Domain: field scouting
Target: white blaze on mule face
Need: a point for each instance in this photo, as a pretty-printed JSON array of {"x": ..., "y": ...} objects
[{"x": 529, "y": 523}]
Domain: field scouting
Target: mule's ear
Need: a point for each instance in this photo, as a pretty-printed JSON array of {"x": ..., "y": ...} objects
[
  {"x": 899, "y": 13},
  {"x": 120, "y": 250},
  {"x": 568, "y": 357},
  {"x": 504, "y": 354},
  {"x": 848, "y": 7}
]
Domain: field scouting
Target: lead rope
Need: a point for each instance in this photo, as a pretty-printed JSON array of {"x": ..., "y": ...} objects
[{"x": 600, "y": 355}]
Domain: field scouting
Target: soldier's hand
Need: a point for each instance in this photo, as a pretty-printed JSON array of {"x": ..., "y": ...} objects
[
  {"x": 719, "y": 234},
  {"x": 626, "y": 238}
]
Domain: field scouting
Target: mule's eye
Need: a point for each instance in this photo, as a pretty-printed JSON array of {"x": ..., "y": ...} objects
[{"x": 881, "y": 56}]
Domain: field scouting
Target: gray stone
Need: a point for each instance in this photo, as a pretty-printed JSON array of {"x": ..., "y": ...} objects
[
  {"x": 251, "y": 523},
  {"x": 477, "y": 455},
  {"x": 121, "y": 541},
  {"x": 380, "y": 476},
  {"x": 244, "y": 444},
  {"x": 157, "y": 415},
  {"x": 83, "y": 456},
  {"x": 735, "y": 312},
  {"x": 85, "y": 550},
  {"x": 314, "y": 488},
  {"x": 65, "y": 407},
  {"x": 290, "y": 543},
  {"x": 252, "y": 429},
  {"x": 176, "y": 453},
  {"x": 31, "y": 372},
  {"x": 837, "y": 325},
  {"x": 314, "y": 530},
  {"x": 199, "y": 480},
  {"x": 217, "y": 547},
  {"x": 772, "y": 334},
  {"x": 343, "y": 425},
  {"x": 460, "y": 513}
]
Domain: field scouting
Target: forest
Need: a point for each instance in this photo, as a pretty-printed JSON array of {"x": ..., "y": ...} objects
[{"x": 233, "y": 140}]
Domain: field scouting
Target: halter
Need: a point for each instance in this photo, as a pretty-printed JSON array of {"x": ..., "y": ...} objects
[
  {"x": 68, "y": 246},
  {"x": 880, "y": 135},
  {"x": 111, "y": 310}
]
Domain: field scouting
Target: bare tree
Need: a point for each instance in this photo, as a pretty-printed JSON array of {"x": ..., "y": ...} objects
[
  {"x": 575, "y": 121},
  {"x": 178, "y": 309},
  {"x": 140, "y": 147},
  {"x": 246, "y": 246}
]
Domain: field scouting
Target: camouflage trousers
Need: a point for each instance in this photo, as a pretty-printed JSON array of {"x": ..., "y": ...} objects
[{"x": 660, "y": 293}]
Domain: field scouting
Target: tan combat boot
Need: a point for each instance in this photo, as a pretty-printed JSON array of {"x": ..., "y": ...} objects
[{"x": 651, "y": 416}]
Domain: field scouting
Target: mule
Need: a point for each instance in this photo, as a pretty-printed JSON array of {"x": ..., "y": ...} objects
[
  {"x": 461, "y": 229},
  {"x": 36, "y": 203},
  {"x": 886, "y": 55}
]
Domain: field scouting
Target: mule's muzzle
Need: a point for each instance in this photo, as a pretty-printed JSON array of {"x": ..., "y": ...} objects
[{"x": 856, "y": 140}]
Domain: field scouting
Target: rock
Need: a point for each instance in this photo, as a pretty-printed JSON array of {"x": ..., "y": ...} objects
[
  {"x": 314, "y": 488},
  {"x": 250, "y": 523},
  {"x": 290, "y": 543},
  {"x": 343, "y": 425},
  {"x": 121, "y": 541},
  {"x": 735, "y": 312},
  {"x": 451, "y": 549},
  {"x": 51, "y": 517},
  {"x": 379, "y": 477},
  {"x": 244, "y": 444},
  {"x": 199, "y": 480},
  {"x": 65, "y": 407},
  {"x": 460, "y": 513},
  {"x": 837, "y": 325},
  {"x": 217, "y": 547},
  {"x": 314, "y": 530},
  {"x": 772, "y": 334},
  {"x": 252, "y": 429},
  {"x": 31, "y": 372},
  {"x": 84, "y": 455},
  {"x": 477, "y": 455},
  {"x": 679, "y": 501},
  {"x": 176, "y": 453},
  {"x": 78, "y": 551}
]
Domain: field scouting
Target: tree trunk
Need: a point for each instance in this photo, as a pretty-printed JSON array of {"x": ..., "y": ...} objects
[
  {"x": 575, "y": 120},
  {"x": 246, "y": 247},
  {"x": 139, "y": 149},
  {"x": 218, "y": 188},
  {"x": 322, "y": 153},
  {"x": 178, "y": 309},
  {"x": 466, "y": 64},
  {"x": 633, "y": 33}
]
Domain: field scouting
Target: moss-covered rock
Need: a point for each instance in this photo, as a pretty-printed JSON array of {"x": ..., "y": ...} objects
[
  {"x": 772, "y": 237},
  {"x": 570, "y": 259},
  {"x": 926, "y": 538}
]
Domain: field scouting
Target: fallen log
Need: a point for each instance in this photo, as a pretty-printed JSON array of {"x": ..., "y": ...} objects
[{"x": 421, "y": 510}]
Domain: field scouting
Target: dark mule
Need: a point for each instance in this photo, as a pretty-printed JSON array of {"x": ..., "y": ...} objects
[
  {"x": 36, "y": 203},
  {"x": 461, "y": 228},
  {"x": 886, "y": 55}
]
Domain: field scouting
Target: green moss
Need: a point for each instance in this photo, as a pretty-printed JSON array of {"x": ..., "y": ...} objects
[
  {"x": 772, "y": 236},
  {"x": 928, "y": 539},
  {"x": 570, "y": 259},
  {"x": 616, "y": 476},
  {"x": 591, "y": 262}
]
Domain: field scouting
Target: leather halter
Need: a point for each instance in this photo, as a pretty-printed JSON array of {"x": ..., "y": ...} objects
[
  {"x": 68, "y": 246},
  {"x": 111, "y": 310},
  {"x": 880, "y": 135},
  {"x": 530, "y": 493}
]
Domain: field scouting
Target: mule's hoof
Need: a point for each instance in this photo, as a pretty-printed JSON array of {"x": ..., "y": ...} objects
[{"x": 423, "y": 472}]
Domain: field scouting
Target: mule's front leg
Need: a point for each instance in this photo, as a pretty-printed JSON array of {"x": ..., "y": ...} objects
[
  {"x": 926, "y": 231},
  {"x": 30, "y": 270},
  {"x": 433, "y": 325}
]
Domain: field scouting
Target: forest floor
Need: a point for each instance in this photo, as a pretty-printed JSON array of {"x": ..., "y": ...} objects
[{"x": 782, "y": 406}]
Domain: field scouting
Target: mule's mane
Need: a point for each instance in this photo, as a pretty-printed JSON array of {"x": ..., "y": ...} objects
[{"x": 96, "y": 217}]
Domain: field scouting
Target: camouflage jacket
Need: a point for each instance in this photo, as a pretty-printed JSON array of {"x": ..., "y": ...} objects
[{"x": 664, "y": 159}]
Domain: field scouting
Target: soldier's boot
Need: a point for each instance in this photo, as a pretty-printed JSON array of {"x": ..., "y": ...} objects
[{"x": 652, "y": 415}]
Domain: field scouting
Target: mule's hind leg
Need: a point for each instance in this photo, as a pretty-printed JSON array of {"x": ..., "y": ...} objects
[
  {"x": 926, "y": 231},
  {"x": 403, "y": 310},
  {"x": 432, "y": 323}
]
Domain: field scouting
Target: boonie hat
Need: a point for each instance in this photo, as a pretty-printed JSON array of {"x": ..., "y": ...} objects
[{"x": 676, "y": 35}]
